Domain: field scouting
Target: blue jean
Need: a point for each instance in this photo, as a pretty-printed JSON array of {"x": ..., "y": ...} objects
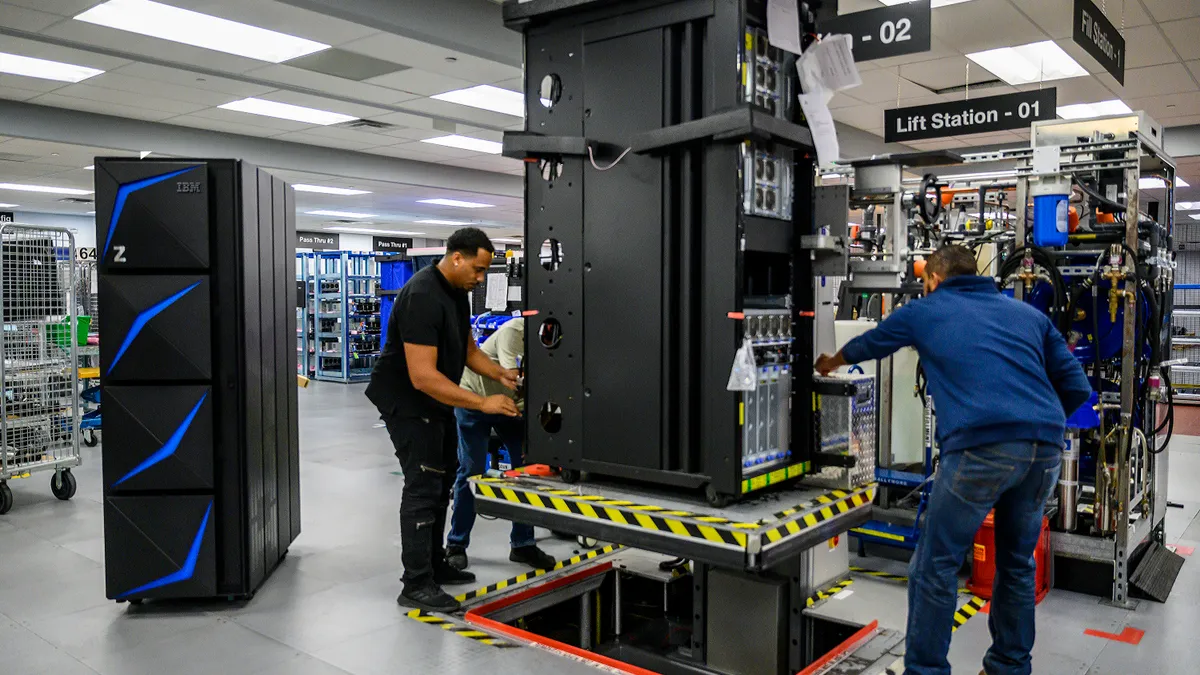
[
  {"x": 474, "y": 431},
  {"x": 1014, "y": 478}
]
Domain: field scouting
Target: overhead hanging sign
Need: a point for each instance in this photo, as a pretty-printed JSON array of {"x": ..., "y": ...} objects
[
  {"x": 886, "y": 31},
  {"x": 391, "y": 244},
  {"x": 1098, "y": 37},
  {"x": 7, "y": 216},
  {"x": 318, "y": 241},
  {"x": 974, "y": 116}
]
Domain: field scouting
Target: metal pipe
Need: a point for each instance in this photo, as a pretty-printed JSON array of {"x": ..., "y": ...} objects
[
  {"x": 617, "y": 603},
  {"x": 1068, "y": 484},
  {"x": 585, "y": 621}
]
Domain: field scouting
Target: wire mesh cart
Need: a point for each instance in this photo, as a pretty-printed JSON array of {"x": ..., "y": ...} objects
[{"x": 39, "y": 411}]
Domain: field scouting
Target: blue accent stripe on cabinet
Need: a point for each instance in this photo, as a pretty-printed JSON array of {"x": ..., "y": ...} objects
[
  {"x": 123, "y": 192},
  {"x": 167, "y": 448},
  {"x": 140, "y": 321},
  {"x": 189, "y": 565}
]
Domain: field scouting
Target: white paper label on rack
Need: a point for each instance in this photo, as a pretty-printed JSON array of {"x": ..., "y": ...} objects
[
  {"x": 783, "y": 25},
  {"x": 829, "y": 65},
  {"x": 844, "y": 594},
  {"x": 820, "y": 124},
  {"x": 514, "y": 293},
  {"x": 497, "y": 292}
]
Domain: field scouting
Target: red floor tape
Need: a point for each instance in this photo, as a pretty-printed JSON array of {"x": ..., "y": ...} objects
[
  {"x": 1130, "y": 636},
  {"x": 1182, "y": 550}
]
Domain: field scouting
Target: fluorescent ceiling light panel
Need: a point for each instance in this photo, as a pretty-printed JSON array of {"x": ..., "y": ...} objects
[
  {"x": 441, "y": 222},
  {"x": 368, "y": 230},
  {"x": 7, "y": 206},
  {"x": 487, "y": 97},
  {"x": 43, "y": 69},
  {"x": 505, "y": 240},
  {"x": 1179, "y": 206},
  {"x": 454, "y": 202},
  {"x": 321, "y": 189},
  {"x": 1194, "y": 216},
  {"x": 286, "y": 111},
  {"x": 44, "y": 188},
  {"x": 342, "y": 214},
  {"x": 1035, "y": 62},
  {"x": 1158, "y": 183},
  {"x": 199, "y": 30},
  {"x": 90, "y": 167},
  {"x": 1099, "y": 109},
  {"x": 467, "y": 143}
]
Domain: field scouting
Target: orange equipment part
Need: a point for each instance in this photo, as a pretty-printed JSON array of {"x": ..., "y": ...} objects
[
  {"x": 983, "y": 566},
  {"x": 919, "y": 268},
  {"x": 1072, "y": 219},
  {"x": 1105, "y": 218}
]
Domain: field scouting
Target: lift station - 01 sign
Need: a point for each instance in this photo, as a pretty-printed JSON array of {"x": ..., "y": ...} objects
[{"x": 974, "y": 116}]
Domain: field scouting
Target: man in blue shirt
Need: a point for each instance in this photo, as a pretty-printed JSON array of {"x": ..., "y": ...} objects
[{"x": 1003, "y": 382}]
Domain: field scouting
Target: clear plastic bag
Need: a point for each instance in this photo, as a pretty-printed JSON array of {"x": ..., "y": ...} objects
[{"x": 743, "y": 376}]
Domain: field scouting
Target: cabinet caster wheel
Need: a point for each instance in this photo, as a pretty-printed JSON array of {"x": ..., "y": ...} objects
[
  {"x": 90, "y": 439},
  {"x": 62, "y": 484},
  {"x": 136, "y": 602},
  {"x": 717, "y": 500},
  {"x": 586, "y": 542},
  {"x": 6, "y": 498},
  {"x": 569, "y": 475}
]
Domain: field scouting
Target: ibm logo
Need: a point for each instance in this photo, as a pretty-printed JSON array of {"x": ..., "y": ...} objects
[{"x": 188, "y": 188}]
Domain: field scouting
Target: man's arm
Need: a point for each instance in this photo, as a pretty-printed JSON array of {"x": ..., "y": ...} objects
[
  {"x": 480, "y": 363},
  {"x": 427, "y": 379},
  {"x": 1065, "y": 372},
  {"x": 893, "y": 333}
]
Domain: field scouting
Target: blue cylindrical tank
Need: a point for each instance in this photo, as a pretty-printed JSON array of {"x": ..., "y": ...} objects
[{"x": 1050, "y": 220}]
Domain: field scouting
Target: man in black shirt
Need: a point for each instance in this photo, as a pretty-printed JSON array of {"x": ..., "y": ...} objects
[{"x": 415, "y": 387}]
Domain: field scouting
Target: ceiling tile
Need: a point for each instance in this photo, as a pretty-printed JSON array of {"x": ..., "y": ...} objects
[
  {"x": 59, "y": 7},
  {"x": 331, "y": 105},
  {"x": 1145, "y": 47},
  {"x": 1076, "y": 90},
  {"x": 953, "y": 71},
  {"x": 418, "y": 81},
  {"x": 432, "y": 58},
  {"x": 1194, "y": 66},
  {"x": 78, "y": 57},
  {"x": 1184, "y": 36},
  {"x": 1181, "y": 120},
  {"x": 297, "y": 77},
  {"x": 1157, "y": 106},
  {"x": 416, "y": 151},
  {"x": 226, "y": 126},
  {"x": 1165, "y": 79},
  {"x": 313, "y": 139},
  {"x": 101, "y": 107},
  {"x": 461, "y": 113},
  {"x": 409, "y": 120},
  {"x": 24, "y": 18},
  {"x": 495, "y": 164},
  {"x": 976, "y": 26},
  {"x": 867, "y": 117},
  {"x": 366, "y": 139},
  {"x": 272, "y": 123},
  {"x": 14, "y": 94},
  {"x": 87, "y": 91},
  {"x": 1052, "y": 16},
  {"x": 879, "y": 86},
  {"x": 937, "y": 50},
  {"x": 1167, "y": 10},
  {"x": 30, "y": 83},
  {"x": 184, "y": 78},
  {"x": 843, "y": 100},
  {"x": 118, "y": 81},
  {"x": 284, "y": 18}
]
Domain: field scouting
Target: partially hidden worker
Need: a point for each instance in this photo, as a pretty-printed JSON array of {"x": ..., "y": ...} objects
[
  {"x": 415, "y": 388},
  {"x": 1002, "y": 382},
  {"x": 506, "y": 345}
]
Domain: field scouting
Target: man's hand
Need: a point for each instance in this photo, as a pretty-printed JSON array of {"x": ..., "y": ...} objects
[
  {"x": 499, "y": 404},
  {"x": 827, "y": 364},
  {"x": 508, "y": 378}
]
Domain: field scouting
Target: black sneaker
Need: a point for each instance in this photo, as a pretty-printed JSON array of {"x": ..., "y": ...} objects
[
  {"x": 456, "y": 556},
  {"x": 533, "y": 556},
  {"x": 429, "y": 597},
  {"x": 446, "y": 575}
]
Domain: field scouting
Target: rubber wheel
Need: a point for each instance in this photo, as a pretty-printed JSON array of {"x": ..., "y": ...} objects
[
  {"x": 569, "y": 475},
  {"x": 64, "y": 489},
  {"x": 6, "y": 498},
  {"x": 586, "y": 542},
  {"x": 717, "y": 500},
  {"x": 90, "y": 439}
]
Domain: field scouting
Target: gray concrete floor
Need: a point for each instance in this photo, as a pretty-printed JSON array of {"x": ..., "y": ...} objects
[{"x": 330, "y": 608}]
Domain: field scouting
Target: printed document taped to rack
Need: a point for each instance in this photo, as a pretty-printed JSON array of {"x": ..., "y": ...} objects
[
  {"x": 783, "y": 25},
  {"x": 821, "y": 126},
  {"x": 828, "y": 65},
  {"x": 497, "y": 292}
]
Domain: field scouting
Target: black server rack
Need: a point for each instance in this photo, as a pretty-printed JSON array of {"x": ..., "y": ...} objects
[
  {"x": 198, "y": 365},
  {"x": 670, "y": 174}
]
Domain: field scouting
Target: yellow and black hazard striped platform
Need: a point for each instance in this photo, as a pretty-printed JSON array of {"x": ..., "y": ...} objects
[
  {"x": 879, "y": 575},
  {"x": 823, "y": 508},
  {"x": 469, "y": 632},
  {"x": 522, "y": 578},
  {"x": 828, "y": 592},
  {"x": 970, "y": 609},
  {"x": 775, "y": 477}
]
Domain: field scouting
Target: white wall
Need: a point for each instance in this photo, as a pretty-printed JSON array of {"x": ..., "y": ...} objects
[{"x": 83, "y": 227}]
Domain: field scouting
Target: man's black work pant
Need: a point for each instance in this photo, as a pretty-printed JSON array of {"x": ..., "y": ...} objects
[{"x": 428, "y": 452}]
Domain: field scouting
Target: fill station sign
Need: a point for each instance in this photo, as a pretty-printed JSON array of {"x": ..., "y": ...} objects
[
  {"x": 1098, "y": 37},
  {"x": 974, "y": 116},
  {"x": 885, "y": 31},
  {"x": 318, "y": 241},
  {"x": 7, "y": 216}
]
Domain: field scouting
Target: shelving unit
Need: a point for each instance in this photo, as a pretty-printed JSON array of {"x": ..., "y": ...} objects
[
  {"x": 306, "y": 362},
  {"x": 1185, "y": 314},
  {"x": 345, "y": 315}
]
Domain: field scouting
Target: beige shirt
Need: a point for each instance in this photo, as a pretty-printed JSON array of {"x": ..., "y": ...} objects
[{"x": 504, "y": 346}]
